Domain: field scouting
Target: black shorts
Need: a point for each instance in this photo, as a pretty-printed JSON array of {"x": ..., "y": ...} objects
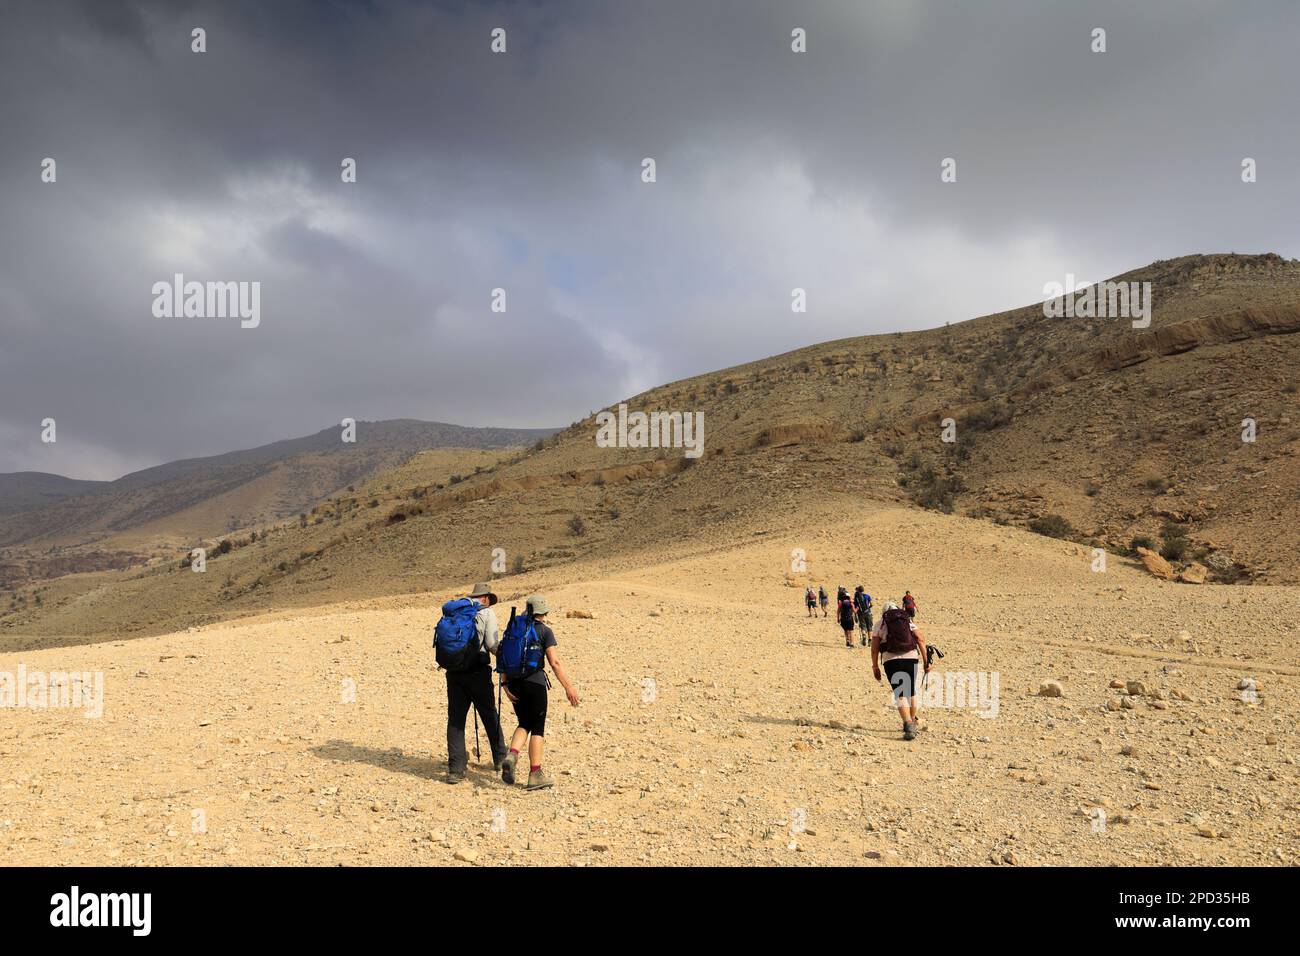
[
  {"x": 530, "y": 704},
  {"x": 901, "y": 674}
]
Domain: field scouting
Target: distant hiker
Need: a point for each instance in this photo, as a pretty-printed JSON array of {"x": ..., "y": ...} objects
[
  {"x": 901, "y": 647},
  {"x": 466, "y": 634},
  {"x": 811, "y": 600},
  {"x": 862, "y": 601},
  {"x": 529, "y": 644},
  {"x": 822, "y": 599},
  {"x": 845, "y": 610},
  {"x": 909, "y": 604}
]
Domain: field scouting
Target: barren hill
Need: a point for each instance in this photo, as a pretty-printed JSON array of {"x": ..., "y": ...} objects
[
  {"x": 1086, "y": 429},
  {"x": 50, "y": 524}
]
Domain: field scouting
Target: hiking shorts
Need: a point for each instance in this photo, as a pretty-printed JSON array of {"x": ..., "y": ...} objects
[
  {"x": 530, "y": 705},
  {"x": 901, "y": 674},
  {"x": 864, "y": 620}
]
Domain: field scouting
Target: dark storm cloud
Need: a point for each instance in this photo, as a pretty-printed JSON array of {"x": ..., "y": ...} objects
[{"x": 477, "y": 171}]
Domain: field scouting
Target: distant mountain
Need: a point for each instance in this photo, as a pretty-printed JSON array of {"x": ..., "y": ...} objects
[
  {"x": 201, "y": 497},
  {"x": 26, "y": 490}
]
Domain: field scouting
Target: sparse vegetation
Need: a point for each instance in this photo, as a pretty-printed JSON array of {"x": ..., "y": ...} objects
[
  {"x": 1053, "y": 526},
  {"x": 1142, "y": 541}
]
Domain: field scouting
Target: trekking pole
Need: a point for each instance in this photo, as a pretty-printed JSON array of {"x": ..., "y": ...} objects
[
  {"x": 477, "y": 756},
  {"x": 501, "y": 734}
]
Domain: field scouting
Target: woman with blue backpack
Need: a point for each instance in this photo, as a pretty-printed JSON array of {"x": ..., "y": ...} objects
[{"x": 526, "y": 648}]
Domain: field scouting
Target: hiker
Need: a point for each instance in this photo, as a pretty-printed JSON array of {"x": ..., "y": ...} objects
[
  {"x": 811, "y": 600},
  {"x": 909, "y": 605},
  {"x": 845, "y": 609},
  {"x": 529, "y": 645},
  {"x": 901, "y": 647},
  {"x": 465, "y": 637},
  {"x": 862, "y": 601},
  {"x": 822, "y": 599}
]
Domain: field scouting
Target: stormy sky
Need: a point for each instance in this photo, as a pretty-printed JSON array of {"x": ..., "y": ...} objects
[{"x": 522, "y": 171}]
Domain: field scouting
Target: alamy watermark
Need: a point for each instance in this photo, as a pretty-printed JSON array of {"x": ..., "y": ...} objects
[
  {"x": 977, "y": 690},
  {"x": 56, "y": 690},
  {"x": 651, "y": 430},
  {"x": 1099, "y": 300},
  {"x": 179, "y": 299}
]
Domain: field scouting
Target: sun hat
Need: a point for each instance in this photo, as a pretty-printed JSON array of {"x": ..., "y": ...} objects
[
  {"x": 482, "y": 590},
  {"x": 537, "y": 605}
]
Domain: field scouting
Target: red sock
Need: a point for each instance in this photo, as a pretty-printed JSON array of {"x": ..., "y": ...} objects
[
  {"x": 535, "y": 767},
  {"x": 514, "y": 751}
]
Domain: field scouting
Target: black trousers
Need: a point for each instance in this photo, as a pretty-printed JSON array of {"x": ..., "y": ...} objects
[{"x": 463, "y": 689}]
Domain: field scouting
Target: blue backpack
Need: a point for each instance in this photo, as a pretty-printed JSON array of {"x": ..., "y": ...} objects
[
  {"x": 455, "y": 641},
  {"x": 520, "y": 652}
]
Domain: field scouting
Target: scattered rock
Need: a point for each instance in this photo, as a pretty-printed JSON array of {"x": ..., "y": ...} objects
[
  {"x": 1050, "y": 688},
  {"x": 1155, "y": 564}
]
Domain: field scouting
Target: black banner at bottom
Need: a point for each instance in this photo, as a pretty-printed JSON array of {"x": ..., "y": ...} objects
[{"x": 334, "y": 906}]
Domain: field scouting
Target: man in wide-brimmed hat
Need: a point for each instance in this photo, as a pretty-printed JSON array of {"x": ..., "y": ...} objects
[{"x": 474, "y": 687}]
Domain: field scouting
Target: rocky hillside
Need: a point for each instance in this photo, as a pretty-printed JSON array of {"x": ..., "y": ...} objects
[{"x": 1083, "y": 429}]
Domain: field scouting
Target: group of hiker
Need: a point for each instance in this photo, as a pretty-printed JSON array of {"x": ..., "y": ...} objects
[
  {"x": 896, "y": 643},
  {"x": 466, "y": 639}
]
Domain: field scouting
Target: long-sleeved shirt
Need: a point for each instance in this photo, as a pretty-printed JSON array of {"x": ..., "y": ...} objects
[{"x": 485, "y": 626}]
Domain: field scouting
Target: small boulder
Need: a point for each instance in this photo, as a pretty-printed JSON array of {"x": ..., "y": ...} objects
[
  {"x": 1155, "y": 564},
  {"x": 579, "y": 613},
  {"x": 1050, "y": 688},
  {"x": 1194, "y": 573}
]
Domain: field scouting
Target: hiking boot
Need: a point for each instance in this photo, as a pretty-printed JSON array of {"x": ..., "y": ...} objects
[
  {"x": 507, "y": 768},
  {"x": 455, "y": 776},
  {"x": 909, "y": 731},
  {"x": 539, "y": 780}
]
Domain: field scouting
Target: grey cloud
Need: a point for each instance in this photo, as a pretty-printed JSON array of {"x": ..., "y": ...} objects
[{"x": 476, "y": 171}]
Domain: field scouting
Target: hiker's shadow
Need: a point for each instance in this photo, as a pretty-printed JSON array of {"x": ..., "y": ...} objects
[
  {"x": 832, "y": 725},
  {"x": 827, "y": 643},
  {"x": 393, "y": 759}
]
